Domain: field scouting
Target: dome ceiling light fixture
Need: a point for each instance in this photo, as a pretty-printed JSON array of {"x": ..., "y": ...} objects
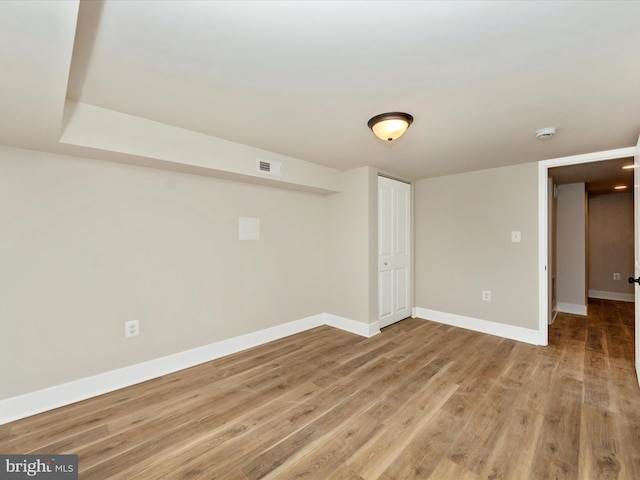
[{"x": 389, "y": 126}]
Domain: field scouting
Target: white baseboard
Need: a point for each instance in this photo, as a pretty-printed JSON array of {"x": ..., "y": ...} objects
[
  {"x": 363, "y": 329},
  {"x": 604, "y": 295},
  {"x": 572, "y": 308},
  {"x": 512, "y": 332},
  {"x": 32, "y": 403}
]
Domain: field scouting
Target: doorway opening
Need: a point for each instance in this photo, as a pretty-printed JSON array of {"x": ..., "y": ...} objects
[
  {"x": 547, "y": 190},
  {"x": 590, "y": 234}
]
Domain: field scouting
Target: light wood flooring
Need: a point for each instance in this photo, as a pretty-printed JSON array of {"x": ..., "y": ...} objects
[{"x": 420, "y": 400}]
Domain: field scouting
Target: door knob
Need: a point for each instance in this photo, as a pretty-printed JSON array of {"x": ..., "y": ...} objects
[{"x": 636, "y": 280}]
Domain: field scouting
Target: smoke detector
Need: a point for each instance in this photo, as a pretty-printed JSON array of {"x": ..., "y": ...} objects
[{"x": 546, "y": 133}]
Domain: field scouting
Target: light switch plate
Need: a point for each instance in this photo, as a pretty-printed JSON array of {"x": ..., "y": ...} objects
[{"x": 515, "y": 237}]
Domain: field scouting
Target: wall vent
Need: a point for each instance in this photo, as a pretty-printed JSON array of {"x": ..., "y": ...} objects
[{"x": 269, "y": 167}]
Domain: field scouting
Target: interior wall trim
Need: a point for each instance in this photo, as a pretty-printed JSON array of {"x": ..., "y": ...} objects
[
  {"x": 391, "y": 177},
  {"x": 572, "y": 308},
  {"x": 520, "y": 334},
  {"x": 617, "y": 296},
  {"x": 32, "y": 403},
  {"x": 367, "y": 330}
]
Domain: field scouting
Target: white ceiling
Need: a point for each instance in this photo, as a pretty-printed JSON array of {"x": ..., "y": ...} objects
[{"x": 301, "y": 78}]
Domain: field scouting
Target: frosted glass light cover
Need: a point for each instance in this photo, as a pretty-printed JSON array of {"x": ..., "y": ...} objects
[
  {"x": 389, "y": 126},
  {"x": 390, "y": 129}
]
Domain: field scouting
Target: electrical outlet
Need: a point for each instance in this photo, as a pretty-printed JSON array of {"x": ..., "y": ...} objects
[
  {"x": 131, "y": 328},
  {"x": 486, "y": 295},
  {"x": 616, "y": 276}
]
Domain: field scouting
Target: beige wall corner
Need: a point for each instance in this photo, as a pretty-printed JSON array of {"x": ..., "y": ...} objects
[
  {"x": 611, "y": 246},
  {"x": 463, "y": 226},
  {"x": 349, "y": 218},
  {"x": 571, "y": 255},
  {"x": 88, "y": 245}
]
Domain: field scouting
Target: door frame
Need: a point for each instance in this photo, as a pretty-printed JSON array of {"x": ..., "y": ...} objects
[{"x": 543, "y": 219}]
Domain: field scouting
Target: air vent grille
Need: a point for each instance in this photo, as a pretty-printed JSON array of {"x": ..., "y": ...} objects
[
  {"x": 264, "y": 166},
  {"x": 270, "y": 168}
]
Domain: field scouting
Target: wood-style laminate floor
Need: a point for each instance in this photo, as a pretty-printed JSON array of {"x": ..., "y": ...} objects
[{"x": 420, "y": 400}]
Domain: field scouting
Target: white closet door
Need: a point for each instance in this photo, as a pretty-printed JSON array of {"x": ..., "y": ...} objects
[{"x": 394, "y": 251}]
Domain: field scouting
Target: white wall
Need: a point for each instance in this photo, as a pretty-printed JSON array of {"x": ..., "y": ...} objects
[
  {"x": 463, "y": 226},
  {"x": 571, "y": 243},
  {"x": 87, "y": 245}
]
